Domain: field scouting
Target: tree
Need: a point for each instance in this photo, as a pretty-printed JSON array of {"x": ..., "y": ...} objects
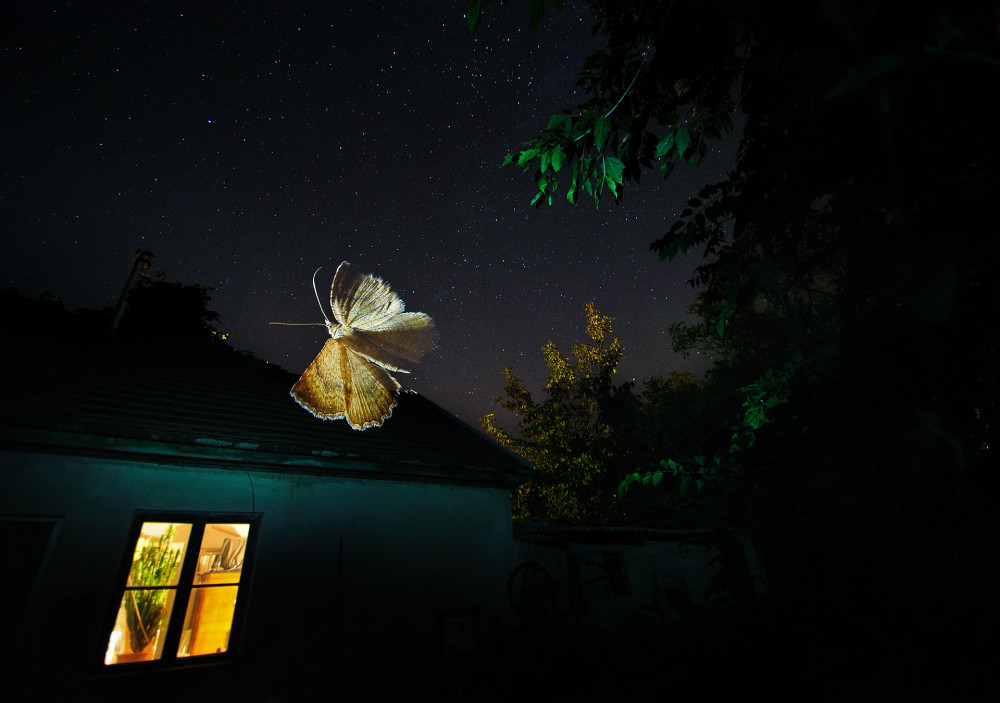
[
  {"x": 164, "y": 315},
  {"x": 587, "y": 433},
  {"x": 566, "y": 435},
  {"x": 805, "y": 252},
  {"x": 170, "y": 312},
  {"x": 848, "y": 280}
]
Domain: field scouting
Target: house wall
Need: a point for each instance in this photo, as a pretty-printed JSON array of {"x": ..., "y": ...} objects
[
  {"x": 606, "y": 588},
  {"x": 354, "y": 583}
]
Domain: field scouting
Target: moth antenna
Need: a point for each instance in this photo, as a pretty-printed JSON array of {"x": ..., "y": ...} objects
[
  {"x": 297, "y": 324},
  {"x": 316, "y": 293}
]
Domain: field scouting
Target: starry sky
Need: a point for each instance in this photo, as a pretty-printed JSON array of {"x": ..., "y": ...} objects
[{"x": 246, "y": 144}]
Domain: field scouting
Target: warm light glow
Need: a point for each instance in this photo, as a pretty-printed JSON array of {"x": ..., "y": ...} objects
[
  {"x": 209, "y": 616},
  {"x": 148, "y": 599},
  {"x": 147, "y": 605}
]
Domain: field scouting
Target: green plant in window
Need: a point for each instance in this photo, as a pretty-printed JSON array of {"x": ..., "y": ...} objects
[{"x": 153, "y": 565}]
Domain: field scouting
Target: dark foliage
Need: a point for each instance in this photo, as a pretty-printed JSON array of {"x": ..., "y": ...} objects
[
  {"x": 159, "y": 317},
  {"x": 851, "y": 255}
]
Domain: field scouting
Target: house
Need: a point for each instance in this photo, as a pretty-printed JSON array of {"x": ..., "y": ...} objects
[{"x": 175, "y": 527}]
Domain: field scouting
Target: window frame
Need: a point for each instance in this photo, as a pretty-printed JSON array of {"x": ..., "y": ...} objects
[{"x": 184, "y": 589}]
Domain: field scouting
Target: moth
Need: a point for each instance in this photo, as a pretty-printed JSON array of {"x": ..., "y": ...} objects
[{"x": 372, "y": 336}]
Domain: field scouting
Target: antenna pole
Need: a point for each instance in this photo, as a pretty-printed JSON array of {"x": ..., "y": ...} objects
[{"x": 140, "y": 264}]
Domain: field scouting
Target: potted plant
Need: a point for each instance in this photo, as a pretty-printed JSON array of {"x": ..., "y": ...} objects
[{"x": 154, "y": 566}]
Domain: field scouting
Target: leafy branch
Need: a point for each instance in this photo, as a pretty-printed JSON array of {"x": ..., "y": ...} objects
[
  {"x": 703, "y": 221},
  {"x": 767, "y": 392},
  {"x": 536, "y": 11}
]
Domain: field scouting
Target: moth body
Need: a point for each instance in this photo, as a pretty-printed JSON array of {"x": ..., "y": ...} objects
[{"x": 372, "y": 336}]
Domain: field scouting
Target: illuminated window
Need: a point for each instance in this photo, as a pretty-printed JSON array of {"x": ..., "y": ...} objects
[{"x": 183, "y": 588}]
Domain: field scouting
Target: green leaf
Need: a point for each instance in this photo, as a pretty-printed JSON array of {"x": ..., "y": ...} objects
[
  {"x": 682, "y": 140},
  {"x": 556, "y": 120},
  {"x": 669, "y": 251},
  {"x": 558, "y": 158},
  {"x": 613, "y": 168},
  {"x": 540, "y": 194},
  {"x": 622, "y": 487},
  {"x": 526, "y": 157},
  {"x": 546, "y": 158},
  {"x": 611, "y": 186},
  {"x": 602, "y": 128},
  {"x": 657, "y": 478},
  {"x": 646, "y": 480},
  {"x": 694, "y": 158},
  {"x": 665, "y": 145},
  {"x": 474, "y": 15},
  {"x": 672, "y": 466},
  {"x": 507, "y": 160},
  {"x": 536, "y": 12},
  {"x": 685, "y": 482}
]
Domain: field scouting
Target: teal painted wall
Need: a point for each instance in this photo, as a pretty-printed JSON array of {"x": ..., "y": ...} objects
[{"x": 352, "y": 579}]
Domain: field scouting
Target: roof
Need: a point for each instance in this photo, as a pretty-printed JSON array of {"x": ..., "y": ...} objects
[{"x": 221, "y": 408}]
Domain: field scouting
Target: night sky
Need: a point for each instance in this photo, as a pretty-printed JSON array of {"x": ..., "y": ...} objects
[{"x": 247, "y": 145}]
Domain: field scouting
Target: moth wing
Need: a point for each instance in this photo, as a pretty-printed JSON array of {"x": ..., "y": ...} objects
[
  {"x": 320, "y": 389},
  {"x": 340, "y": 383},
  {"x": 374, "y": 396},
  {"x": 362, "y": 301},
  {"x": 402, "y": 341}
]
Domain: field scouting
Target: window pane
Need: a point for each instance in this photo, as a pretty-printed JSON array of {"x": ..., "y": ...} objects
[
  {"x": 220, "y": 559},
  {"x": 140, "y": 626},
  {"x": 209, "y": 616},
  {"x": 159, "y": 553},
  {"x": 208, "y": 620},
  {"x": 144, "y": 613}
]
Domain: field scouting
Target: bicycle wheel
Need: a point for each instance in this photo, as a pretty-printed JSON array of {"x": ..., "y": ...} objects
[{"x": 531, "y": 591}]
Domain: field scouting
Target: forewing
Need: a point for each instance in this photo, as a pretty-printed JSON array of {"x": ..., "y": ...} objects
[
  {"x": 402, "y": 341},
  {"x": 362, "y": 301},
  {"x": 342, "y": 384}
]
